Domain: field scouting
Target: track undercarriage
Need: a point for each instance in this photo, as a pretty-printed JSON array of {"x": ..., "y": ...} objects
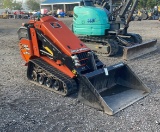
[
  {"x": 101, "y": 45},
  {"x": 125, "y": 45},
  {"x": 43, "y": 74}
]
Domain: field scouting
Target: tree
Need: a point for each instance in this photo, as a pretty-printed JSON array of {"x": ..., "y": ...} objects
[
  {"x": 17, "y": 6},
  {"x": 142, "y": 3},
  {"x": 7, "y": 3},
  {"x": 148, "y": 3},
  {"x": 158, "y": 2},
  {"x": 33, "y": 4},
  {"x": 151, "y": 3}
]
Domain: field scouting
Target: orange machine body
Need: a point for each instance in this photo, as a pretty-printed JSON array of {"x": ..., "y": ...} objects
[{"x": 59, "y": 35}]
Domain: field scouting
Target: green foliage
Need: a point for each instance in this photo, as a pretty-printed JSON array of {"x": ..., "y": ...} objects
[
  {"x": 151, "y": 3},
  {"x": 7, "y": 3},
  {"x": 147, "y": 3},
  {"x": 33, "y": 4},
  {"x": 158, "y": 2},
  {"x": 17, "y": 6}
]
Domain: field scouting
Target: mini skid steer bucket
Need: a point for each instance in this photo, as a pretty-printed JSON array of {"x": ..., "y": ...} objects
[{"x": 111, "y": 89}]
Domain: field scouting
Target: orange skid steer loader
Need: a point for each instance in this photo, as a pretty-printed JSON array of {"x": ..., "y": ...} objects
[{"x": 58, "y": 61}]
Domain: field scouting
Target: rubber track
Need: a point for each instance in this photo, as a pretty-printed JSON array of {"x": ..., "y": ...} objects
[
  {"x": 69, "y": 82},
  {"x": 100, "y": 40},
  {"x": 93, "y": 39}
]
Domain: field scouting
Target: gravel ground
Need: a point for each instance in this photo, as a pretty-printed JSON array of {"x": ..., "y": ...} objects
[{"x": 27, "y": 107}]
